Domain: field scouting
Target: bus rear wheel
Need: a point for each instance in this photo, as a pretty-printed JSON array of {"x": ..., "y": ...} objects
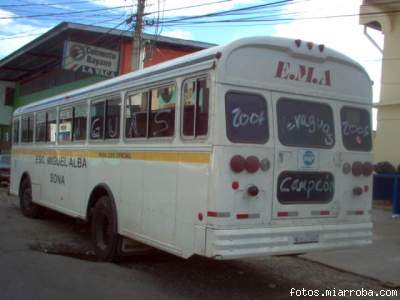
[
  {"x": 106, "y": 240},
  {"x": 28, "y": 208}
]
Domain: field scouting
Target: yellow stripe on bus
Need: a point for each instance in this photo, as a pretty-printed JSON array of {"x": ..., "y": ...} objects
[{"x": 187, "y": 157}]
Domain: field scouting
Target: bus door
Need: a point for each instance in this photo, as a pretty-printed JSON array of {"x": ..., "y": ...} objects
[
  {"x": 249, "y": 162},
  {"x": 305, "y": 159}
]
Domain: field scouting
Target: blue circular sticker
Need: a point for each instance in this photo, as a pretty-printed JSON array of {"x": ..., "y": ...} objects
[{"x": 308, "y": 158}]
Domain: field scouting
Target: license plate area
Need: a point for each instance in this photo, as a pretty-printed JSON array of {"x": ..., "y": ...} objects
[{"x": 306, "y": 238}]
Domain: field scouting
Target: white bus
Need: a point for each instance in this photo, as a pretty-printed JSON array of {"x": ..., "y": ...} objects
[{"x": 259, "y": 147}]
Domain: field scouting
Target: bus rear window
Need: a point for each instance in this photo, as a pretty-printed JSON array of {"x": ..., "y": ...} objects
[
  {"x": 356, "y": 129},
  {"x": 246, "y": 118},
  {"x": 305, "y": 124}
]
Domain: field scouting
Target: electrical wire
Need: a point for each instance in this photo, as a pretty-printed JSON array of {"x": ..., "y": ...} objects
[
  {"x": 64, "y": 13},
  {"x": 50, "y": 4}
]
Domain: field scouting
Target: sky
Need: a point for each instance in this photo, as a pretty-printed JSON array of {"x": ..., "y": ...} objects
[{"x": 320, "y": 21}]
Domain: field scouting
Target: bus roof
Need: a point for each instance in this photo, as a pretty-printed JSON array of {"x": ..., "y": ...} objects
[{"x": 287, "y": 60}]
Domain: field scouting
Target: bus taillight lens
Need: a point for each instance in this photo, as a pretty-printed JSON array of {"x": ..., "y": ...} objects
[
  {"x": 346, "y": 168},
  {"x": 238, "y": 163},
  {"x": 265, "y": 164},
  {"x": 367, "y": 169},
  {"x": 357, "y": 191},
  {"x": 252, "y": 190},
  {"x": 357, "y": 168},
  {"x": 252, "y": 164}
]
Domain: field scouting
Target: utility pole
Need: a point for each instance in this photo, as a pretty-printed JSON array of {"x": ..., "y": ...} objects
[{"x": 137, "y": 36}]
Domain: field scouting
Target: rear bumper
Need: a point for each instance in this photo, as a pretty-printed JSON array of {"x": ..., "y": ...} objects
[{"x": 241, "y": 243}]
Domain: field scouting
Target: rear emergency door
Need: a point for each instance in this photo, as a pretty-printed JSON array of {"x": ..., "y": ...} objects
[{"x": 306, "y": 166}]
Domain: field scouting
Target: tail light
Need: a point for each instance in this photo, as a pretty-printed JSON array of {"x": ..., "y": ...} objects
[
  {"x": 346, "y": 168},
  {"x": 357, "y": 168},
  {"x": 252, "y": 190},
  {"x": 367, "y": 169},
  {"x": 238, "y": 163},
  {"x": 252, "y": 164},
  {"x": 235, "y": 185},
  {"x": 357, "y": 191},
  {"x": 265, "y": 164}
]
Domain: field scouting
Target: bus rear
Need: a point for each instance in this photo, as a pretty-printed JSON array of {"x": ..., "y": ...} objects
[{"x": 291, "y": 167}]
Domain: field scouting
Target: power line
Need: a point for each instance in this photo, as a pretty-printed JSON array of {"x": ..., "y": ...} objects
[
  {"x": 96, "y": 15},
  {"x": 109, "y": 8},
  {"x": 227, "y": 12},
  {"x": 191, "y": 6},
  {"x": 51, "y": 4},
  {"x": 65, "y": 13},
  {"x": 255, "y": 20},
  {"x": 23, "y": 34}
]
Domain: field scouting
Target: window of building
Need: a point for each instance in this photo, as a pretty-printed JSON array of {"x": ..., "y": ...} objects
[
  {"x": 27, "y": 129},
  {"x": 195, "y": 107},
  {"x": 9, "y": 97},
  {"x": 5, "y": 133}
]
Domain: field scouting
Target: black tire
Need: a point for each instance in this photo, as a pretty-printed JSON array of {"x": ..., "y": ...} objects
[
  {"x": 106, "y": 240},
  {"x": 28, "y": 208}
]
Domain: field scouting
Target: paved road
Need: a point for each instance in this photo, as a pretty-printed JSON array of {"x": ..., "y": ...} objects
[{"x": 51, "y": 259}]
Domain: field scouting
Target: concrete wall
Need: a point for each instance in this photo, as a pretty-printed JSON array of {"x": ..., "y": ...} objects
[
  {"x": 154, "y": 55},
  {"x": 387, "y": 140}
]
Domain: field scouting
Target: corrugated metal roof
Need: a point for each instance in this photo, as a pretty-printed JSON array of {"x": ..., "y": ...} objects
[{"x": 47, "y": 49}]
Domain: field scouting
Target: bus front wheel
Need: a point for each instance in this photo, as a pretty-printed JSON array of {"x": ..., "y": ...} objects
[
  {"x": 106, "y": 239},
  {"x": 28, "y": 208}
]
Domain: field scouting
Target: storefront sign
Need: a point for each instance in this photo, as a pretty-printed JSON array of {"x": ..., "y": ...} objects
[{"x": 89, "y": 59}]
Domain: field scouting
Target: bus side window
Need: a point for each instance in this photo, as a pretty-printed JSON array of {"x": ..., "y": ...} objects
[
  {"x": 40, "y": 124},
  {"x": 136, "y": 115},
  {"x": 27, "y": 129},
  {"x": 105, "y": 116},
  {"x": 65, "y": 125},
  {"x": 97, "y": 112},
  {"x": 79, "y": 122},
  {"x": 162, "y": 113},
  {"x": 15, "y": 136},
  {"x": 195, "y": 107},
  {"x": 51, "y": 125},
  {"x": 113, "y": 112}
]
